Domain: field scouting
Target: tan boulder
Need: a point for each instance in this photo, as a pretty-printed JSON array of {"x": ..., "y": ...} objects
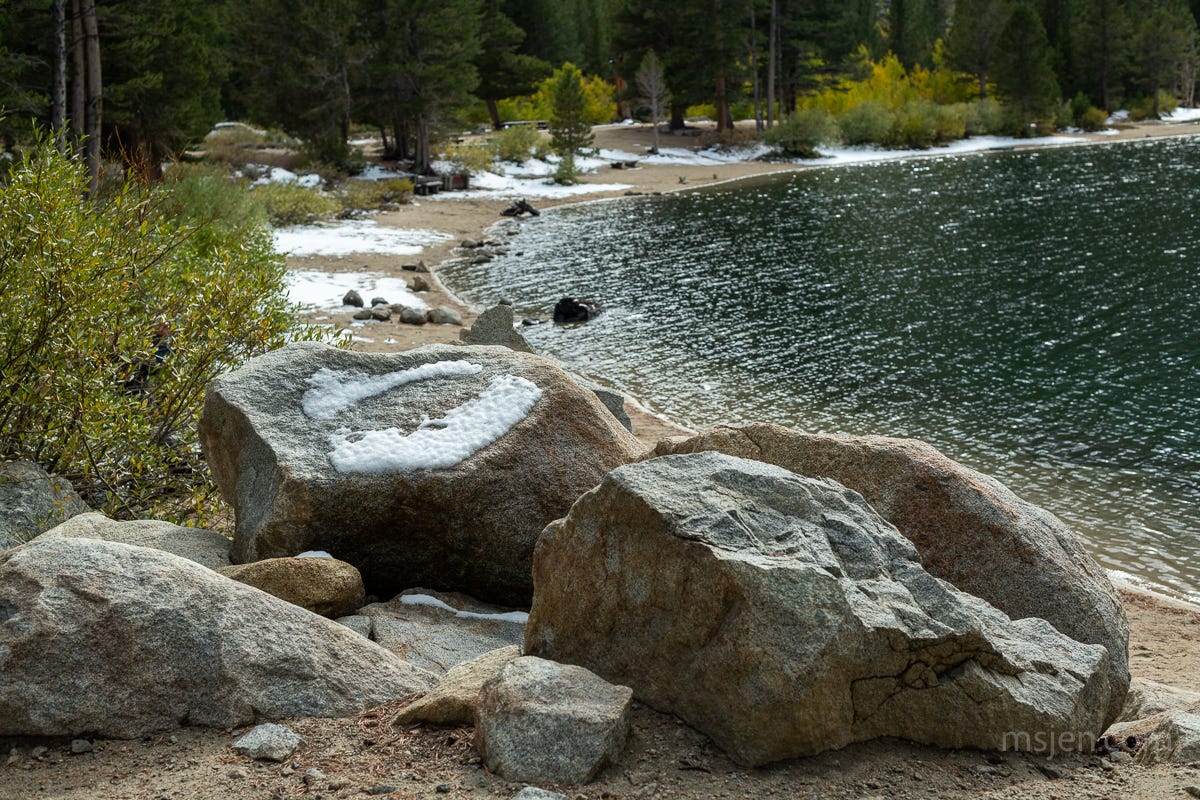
[
  {"x": 324, "y": 586},
  {"x": 455, "y": 699}
]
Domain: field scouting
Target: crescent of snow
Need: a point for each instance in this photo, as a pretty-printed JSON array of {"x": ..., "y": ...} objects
[
  {"x": 330, "y": 392},
  {"x": 440, "y": 443}
]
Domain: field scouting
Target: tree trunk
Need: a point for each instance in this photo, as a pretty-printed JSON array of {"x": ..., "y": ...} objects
[
  {"x": 494, "y": 113},
  {"x": 753, "y": 43},
  {"x": 772, "y": 47},
  {"x": 93, "y": 108},
  {"x": 58, "y": 93},
  {"x": 677, "y": 123},
  {"x": 722, "y": 105},
  {"x": 421, "y": 158},
  {"x": 77, "y": 78}
]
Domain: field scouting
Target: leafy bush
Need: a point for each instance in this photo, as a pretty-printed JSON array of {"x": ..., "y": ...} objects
[
  {"x": 121, "y": 311},
  {"x": 803, "y": 132},
  {"x": 356, "y": 195},
  {"x": 517, "y": 143},
  {"x": 468, "y": 157},
  {"x": 1144, "y": 107},
  {"x": 987, "y": 118},
  {"x": 913, "y": 128},
  {"x": 1092, "y": 119},
  {"x": 949, "y": 122},
  {"x": 866, "y": 123},
  {"x": 599, "y": 106},
  {"x": 292, "y": 204}
]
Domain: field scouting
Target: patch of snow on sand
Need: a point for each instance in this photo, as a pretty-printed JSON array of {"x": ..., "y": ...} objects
[
  {"x": 317, "y": 289},
  {"x": 330, "y": 392},
  {"x": 440, "y": 443},
  {"x": 712, "y": 157},
  {"x": 831, "y": 156},
  {"x": 1183, "y": 115},
  {"x": 519, "y": 617},
  {"x": 353, "y": 236}
]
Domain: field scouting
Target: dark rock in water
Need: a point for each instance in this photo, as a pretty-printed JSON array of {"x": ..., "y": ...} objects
[
  {"x": 575, "y": 309},
  {"x": 353, "y": 298}
]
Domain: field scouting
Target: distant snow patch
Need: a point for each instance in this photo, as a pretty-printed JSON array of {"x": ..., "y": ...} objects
[
  {"x": 519, "y": 617},
  {"x": 353, "y": 236},
  {"x": 331, "y": 392},
  {"x": 440, "y": 443},
  {"x": 319, "y": 289}
]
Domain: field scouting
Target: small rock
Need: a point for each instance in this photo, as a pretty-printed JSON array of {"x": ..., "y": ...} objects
[
  {"x": 37, "y": 752},
  {"x": 444, "y": 315},
  {"x": 352, "y": 298},
  {"x": 983, "y": 769},
  {"x": 420, "y": 283},
  {"x": 534, "y": 793},
  {"x": 379, "y": 301},
  {"x": 14, "y": 758},
  {"x": 1120, "y": 757},
  {"x": 236, "y": 774},
  {"x": 364, "y": 314},
  {"x": 470, "y": 244},
  {"x": 421, "y": 268},
  {"x": 312, "y": 775},
  {"x": 1194, "y": 791},
  {"x": 383, "y": 788},
  {"x": 413, "y": 316},
  {"x": 80, "y": 746},
  {"x": 381, "y": 313},
  {"x": 443, "y": 788},
  {"x": 1050, "y": 771},
  {"x": 269, "y": 742}
]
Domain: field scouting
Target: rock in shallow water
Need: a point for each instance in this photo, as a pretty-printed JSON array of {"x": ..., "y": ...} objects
[{"x": 781, "y": 616}]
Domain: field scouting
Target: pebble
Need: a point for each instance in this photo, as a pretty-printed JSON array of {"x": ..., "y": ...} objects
[
  {"x": 14, "y": 757},
  {"x": 80, "y": 746},
  {"x": 37, "y": 752},
  {"x": 312, "y": 775},
  {"x": 236, "y": 774},
  {"x": 382, "y": 788},
  {"x": 443, "y": 788}
]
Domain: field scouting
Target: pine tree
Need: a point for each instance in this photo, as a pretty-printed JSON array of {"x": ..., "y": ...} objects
[
  {"x": 1024, "y": 76},
  {"x": 570, "y": 131},
  {"x": 974, "y": 32},
  {"x": 1102, "y": 42},
  {"x": 503, "y": 71}
]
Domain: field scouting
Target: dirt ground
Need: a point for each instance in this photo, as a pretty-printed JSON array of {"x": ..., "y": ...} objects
[{"x": 366, "y": 756}]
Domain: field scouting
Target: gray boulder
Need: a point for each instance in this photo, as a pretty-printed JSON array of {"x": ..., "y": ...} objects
[
  {"x": 419, "y": 283},
  {"x": 33, "y": 501},
  {"x": 205, "y": 547},
  {"x": 268, "y": 742},
  {"x": 1147, "y": 698},
  {"x": 969, "y": 528},
  {"x": 381, "y": 313},
  {"x": 782, "y": 617},
  {"x": 1174, "y": 740},
  {"x": 352, "y": 298},
  {"x": 495, "y": 327},
  {"x": 614, "y": 401},
  {"x": 413, "y": 316},
  {"x": 550, "y": 723},
  {"x": 104, "y": 638},
  {"x": 435, "y": 631},
  {"x": 444, "y": 315},
  {"x": 455, "y": 699},
  {"x": 435, "y": 467}
]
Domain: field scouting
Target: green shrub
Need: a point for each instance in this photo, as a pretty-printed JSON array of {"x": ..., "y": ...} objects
[
  {"x": 1092, "y": 119},
  {"x": 949, "y": 122},
  {"x": 88, "y": 390},
  {"x": 914, "y": 127},
  {"x": 1144, "y": 107},
  {"x": 803, "y": 132},
  {"x": 358, "y": 196},
  {"x": 469, "y": 157},
  {"x": 518, "y": 143},
  {"x": 866, "y": 123},
  {"x": 988, "y": 116},
  {"x": 291, "y": 204}
]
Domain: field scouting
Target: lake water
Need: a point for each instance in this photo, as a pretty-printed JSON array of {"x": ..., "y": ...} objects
[{"x": 1033, "y": 315}]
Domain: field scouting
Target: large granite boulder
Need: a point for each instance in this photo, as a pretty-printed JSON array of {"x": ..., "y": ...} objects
[
  {"x": 969, "y": 528},
  {"x": 783, "y": 617},
  {"x": 195, "y": 544},
  {"x": 33, "y": 501},
  {"x": 435, "y": 631},
  {"x": 544, "y": 722},
  {"x": 324, "y": 586},
  {"x": 435, "y": 467},
  {"x": 104, "y": 638}
]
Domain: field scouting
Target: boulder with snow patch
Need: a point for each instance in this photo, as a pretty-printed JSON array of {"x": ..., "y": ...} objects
[
  {"x": 435, "y": 467},
  {"x": 110, "y": 639},
  {"x": 969, "y": 528},
  {"x": 783, "y": 617},
  {"x": 455, "y": 699},
  {"x": 436, "y": 631},
  {"x": 33, "y": 501},
  {"x": 205, "y": 547},
  {"x": 544, "y": 722},
  {"x": 326, "y": 586}
]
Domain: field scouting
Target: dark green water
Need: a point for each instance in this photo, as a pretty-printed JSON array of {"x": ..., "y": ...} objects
[{"x": 1035, "y": 316}]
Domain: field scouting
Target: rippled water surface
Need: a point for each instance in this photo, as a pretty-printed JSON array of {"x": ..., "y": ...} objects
[{"x": 1033, "y": 315}]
